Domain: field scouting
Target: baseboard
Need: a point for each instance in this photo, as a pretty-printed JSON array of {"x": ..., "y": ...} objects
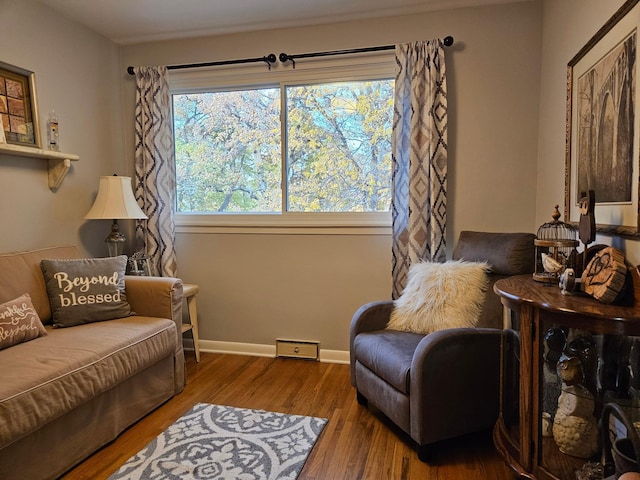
[{"x": 259, "y": 350}]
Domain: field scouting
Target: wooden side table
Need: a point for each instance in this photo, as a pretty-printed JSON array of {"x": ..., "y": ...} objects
[
  {"x": 190, "y": 291},
  {"x": 530, "y": 384}
]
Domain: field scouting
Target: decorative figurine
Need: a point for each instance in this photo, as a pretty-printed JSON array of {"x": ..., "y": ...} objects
[
  {"x": 587, "y": 222},
  {"x": 550, "y": 264},
  {"x": 575, "y": 428},
  {"x": 605, "y": 275}
]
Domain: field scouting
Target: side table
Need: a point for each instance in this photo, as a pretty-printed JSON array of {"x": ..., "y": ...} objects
[{"x": 190, "y": 291}]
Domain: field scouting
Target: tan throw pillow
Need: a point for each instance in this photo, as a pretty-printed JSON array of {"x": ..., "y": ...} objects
[
  {"x": 86, "y": 290},
  {"x": 440, "y": 296},
  {"x": 19, "y": 322}
]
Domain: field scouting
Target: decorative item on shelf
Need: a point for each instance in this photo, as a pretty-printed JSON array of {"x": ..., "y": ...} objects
[
  {"x": 587, "y": 223},
  {"x": 115, "y": 201},
  {"x": 568, "y": 281},
  {"x": 575, "y": 428},
  {"x": 620, "y": 442},
  {"x": 555, "y": 247},
  {"x": 590, "y": 471},
  {"x": 53, "y": 133},
  {"x": 605, "y": 275}
]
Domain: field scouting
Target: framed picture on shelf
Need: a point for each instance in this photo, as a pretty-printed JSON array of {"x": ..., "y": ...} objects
[
  {"x": 18, "y": 106},
  {"x": 603, "y": 122}
]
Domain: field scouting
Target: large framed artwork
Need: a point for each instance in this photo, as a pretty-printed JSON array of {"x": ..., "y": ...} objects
[
  {"x": 18, "y": 107},
  {"x": 602, "y": 152}
]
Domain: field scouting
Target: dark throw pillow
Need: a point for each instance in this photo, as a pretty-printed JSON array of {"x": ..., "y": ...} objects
[
  {"x": 86, "y": 290},
  {"x": 19, "y": 322}
]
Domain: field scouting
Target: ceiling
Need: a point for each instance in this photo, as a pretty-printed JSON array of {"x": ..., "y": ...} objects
[{"x": 135, "y": 21}]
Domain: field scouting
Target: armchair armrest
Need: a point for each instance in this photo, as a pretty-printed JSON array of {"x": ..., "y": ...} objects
[
  {"x": 368, "y": 318},
  {"x": 455, "y": 383}
]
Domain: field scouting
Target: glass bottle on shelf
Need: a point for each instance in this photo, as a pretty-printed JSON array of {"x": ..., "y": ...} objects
[{"x": 53, "y": 132}]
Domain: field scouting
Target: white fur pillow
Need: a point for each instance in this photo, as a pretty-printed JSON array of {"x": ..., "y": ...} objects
[{"x": 440, "y": 296}]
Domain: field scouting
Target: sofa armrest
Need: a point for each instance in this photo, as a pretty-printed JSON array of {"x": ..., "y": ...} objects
[
  {"x": 155, "y": 296},
  {"x": 455, "y": 378},
  {"x": 368, "y": 318}
]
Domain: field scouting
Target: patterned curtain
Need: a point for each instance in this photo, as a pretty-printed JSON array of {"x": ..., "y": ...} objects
[
  {"x": 419, "y": 157},
  {"x": 155, "y": 169}
]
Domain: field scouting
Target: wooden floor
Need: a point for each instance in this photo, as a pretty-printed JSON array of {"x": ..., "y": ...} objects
[{"x": 357, "y": 443}]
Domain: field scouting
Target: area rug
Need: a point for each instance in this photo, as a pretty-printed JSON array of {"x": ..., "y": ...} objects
[{"x": 216, "y": 442}]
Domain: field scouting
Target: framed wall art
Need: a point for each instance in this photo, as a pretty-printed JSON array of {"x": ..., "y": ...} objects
[
  {"x": 18, "y": 107},
  {"x": 602, "y": 130}
]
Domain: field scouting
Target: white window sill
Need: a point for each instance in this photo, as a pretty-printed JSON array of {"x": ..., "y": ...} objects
[{"x": 288, "y": 223}]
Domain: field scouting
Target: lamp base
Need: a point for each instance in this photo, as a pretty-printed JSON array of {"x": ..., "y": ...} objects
[{"x": 115, "y": 240}]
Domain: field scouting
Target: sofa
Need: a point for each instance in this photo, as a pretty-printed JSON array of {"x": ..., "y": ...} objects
[
  {"x": 445, "y": 383},
  {"x": 71, "y": 390}
]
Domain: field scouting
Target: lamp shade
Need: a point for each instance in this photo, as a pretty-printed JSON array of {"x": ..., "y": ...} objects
[{"x": 115, "y": 200}]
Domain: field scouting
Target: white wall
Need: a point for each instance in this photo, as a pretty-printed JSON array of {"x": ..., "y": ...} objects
[
  {"x": 567, "y": 27},
  {"x": 77, "y": 74},
  {"x": 255, "y": 288}
]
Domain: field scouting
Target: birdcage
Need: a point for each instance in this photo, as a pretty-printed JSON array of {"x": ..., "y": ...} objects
[{"x": 555, "y": 247}]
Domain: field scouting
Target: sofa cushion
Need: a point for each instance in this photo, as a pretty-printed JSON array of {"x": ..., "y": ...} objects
[
  {"x": 19, "y": 322},
  {"x": 388, "y": 353},
  {"x": 21, "y": 273},
  {"x": 440, "y": 296},
  {"x": 86, "y": 290},
  {"x": 506, "y": 253},
  {"x": 71, "y": 366}
]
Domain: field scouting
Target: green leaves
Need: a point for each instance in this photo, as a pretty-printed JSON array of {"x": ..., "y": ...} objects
[{"x": 338, "y": 148}]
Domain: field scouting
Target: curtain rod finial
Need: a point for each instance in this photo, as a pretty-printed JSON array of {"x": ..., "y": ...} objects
[
  {"x": 130, "y": 70},
  {"x": 448, "y": 41}
]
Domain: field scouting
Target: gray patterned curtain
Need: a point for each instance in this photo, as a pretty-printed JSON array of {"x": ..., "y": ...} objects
[
  {"x": 155, "y": 169},
  {"x": 419, "y": 157}
]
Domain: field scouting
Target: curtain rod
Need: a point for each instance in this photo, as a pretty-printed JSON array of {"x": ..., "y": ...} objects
[
  {"x": 269, "y": 60},
  {"x": 284, "y": 57}
]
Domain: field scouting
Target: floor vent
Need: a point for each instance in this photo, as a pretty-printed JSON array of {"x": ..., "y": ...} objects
[{"x": 298, "y": 349}]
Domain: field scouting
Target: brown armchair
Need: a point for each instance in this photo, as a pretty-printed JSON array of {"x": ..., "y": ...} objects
[{"x": 444, "y": 384}]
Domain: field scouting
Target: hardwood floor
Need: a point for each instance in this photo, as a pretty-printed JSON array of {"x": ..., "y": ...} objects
[{"x": 357, "y": 443}]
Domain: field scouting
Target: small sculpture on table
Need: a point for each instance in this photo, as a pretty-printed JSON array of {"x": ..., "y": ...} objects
[{"x": 587, "y": 222}]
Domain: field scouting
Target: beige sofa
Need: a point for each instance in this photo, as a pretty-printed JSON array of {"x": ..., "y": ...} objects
[{"x": 66, "y": 394}]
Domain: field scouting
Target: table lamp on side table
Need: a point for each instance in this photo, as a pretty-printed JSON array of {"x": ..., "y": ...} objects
[{"x": 115, "y": 201}]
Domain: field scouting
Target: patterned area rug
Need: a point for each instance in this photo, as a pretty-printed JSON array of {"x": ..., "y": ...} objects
[{"x": 218, "y": 442}]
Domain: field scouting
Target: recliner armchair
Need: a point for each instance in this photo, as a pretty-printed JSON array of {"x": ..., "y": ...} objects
[{"x": 444, "y": 384}]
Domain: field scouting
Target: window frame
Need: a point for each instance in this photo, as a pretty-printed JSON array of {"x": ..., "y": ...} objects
[{"x": 360, "y": 67}]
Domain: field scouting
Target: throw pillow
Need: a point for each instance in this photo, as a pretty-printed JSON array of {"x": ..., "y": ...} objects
[
  {"x": 19, "y": 322},
  {"x": 86, "y": 290},
  {"x": 440, "y": 296}
]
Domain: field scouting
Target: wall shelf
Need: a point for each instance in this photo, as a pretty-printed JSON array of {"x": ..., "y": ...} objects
[{"x": 59, "y": 162}]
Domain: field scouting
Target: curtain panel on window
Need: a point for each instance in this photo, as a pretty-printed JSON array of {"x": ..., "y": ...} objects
[
  {"x": 419, "y": 158},
  {"x": 155, "y": 169}
]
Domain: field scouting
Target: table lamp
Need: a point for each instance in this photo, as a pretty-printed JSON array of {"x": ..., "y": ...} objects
[{"x": 115, "y": 201}]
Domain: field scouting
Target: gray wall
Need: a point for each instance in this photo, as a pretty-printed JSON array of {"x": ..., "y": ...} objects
[
  {"x": 257, "y": 287},
  {"x": 77, "y": 74},
  {"x": 568, "y": 25}
]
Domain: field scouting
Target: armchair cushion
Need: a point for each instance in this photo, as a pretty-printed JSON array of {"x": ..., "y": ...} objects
[
  {"x": 506, "y": 253},
  {"x": 388, "y": 354},
  {"x": 440, "y": 296}
]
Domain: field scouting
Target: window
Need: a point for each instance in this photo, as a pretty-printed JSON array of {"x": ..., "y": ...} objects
[{"x": 301, "y": 145}]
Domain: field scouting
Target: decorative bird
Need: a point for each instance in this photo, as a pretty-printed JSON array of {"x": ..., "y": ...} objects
[{"x": 550, "y": 264}]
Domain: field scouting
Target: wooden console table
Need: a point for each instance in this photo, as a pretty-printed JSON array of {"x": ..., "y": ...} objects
[{"x": 527, "y": 384}]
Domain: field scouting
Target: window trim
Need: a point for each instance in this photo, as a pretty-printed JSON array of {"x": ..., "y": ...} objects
[{"x": 370, "y": 66}]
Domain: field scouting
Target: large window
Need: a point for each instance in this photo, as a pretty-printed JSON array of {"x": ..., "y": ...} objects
[{"x": 303, "y": 147}]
